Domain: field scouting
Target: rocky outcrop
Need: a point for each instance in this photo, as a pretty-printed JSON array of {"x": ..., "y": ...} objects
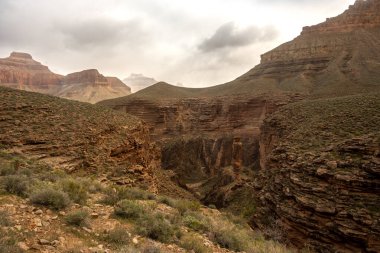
[
  {"x": 320, "y": 174},
  {"x": 363, "y": 14},
  {"x": 77, "y": 136},
  {"x": 338, "y": 57},
  {"x": 236, "y": 115},
  {"x": 90, "y": 86},
  {"x": 20, "y": 71}
]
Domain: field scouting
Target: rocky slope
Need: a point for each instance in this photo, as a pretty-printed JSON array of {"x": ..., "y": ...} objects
[
  {"x": 77, "y": 136},
  {"x": 320, "y": 173},
  {"x": 20, "y": 71}
]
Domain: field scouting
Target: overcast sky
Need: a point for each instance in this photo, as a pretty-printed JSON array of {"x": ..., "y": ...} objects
[{"x": 195, "y": 42}]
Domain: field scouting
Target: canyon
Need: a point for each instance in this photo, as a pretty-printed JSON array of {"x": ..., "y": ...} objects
[
  {"x": 20, "y": 71},
  {"x": 293, "y": 145},
  {"x": 214, "y": 142}
]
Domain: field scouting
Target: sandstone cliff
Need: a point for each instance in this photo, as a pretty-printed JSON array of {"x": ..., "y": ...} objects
[
  {"x": 77, "y": 137},
  {"x": 320, "y": 168},
  {"x": 90, "y": 86},
  {"x": 338, "y": 57},
  {"x": 20, "y": 71}
]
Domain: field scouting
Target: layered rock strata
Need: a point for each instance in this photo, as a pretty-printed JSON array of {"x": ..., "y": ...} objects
[
  {"x": 20, "y": 71},
  {"x": 320, "y": 174},
  {"x": 77, "y": 137}
]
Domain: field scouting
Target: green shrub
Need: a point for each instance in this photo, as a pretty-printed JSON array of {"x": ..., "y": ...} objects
[
  {"x": 129, "y": 209},
  {"x": 166, "y": 200},
  {"x": 230, "y": 236},
  {"x": 138, "y": 194},
  {"x": 184, "y": 206},
  {"x": 114, "y": 195},
  {"x": 8, "y": 242},
  {"x": 151, "y": 249},
  {"x": 192, "y": 243},
  {"x": 77, "y": 218},
  {"x": 118, "y": 235},
  {"x": 181, "y": 205},
  {"x": 76, "y": 191},
  {"x": 197, "y": 222},
  {"x": 4, "y": 219},
  {"x": 15, "y": 184},
  {"x": 6, "y": 170},
  {"x": 157, "y": 228},
  {"x": 52, "y": 198}
]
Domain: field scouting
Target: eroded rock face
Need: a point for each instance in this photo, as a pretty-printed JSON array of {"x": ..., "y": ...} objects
[
  {"x": 20, "y": 71},
  {"x": 76, "y": 136},
  {"x": 338, "y": 57},
  {"x": 199, "y": 137},
  {"x": 363, "y": 14},
  {"x": 320, "y": 174},
  {"x": 91, "y": 86}
]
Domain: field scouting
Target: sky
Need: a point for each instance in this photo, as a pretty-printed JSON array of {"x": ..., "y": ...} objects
[{"x": 195, "y": 43}]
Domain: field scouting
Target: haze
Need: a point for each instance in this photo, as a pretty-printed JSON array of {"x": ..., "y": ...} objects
[{"x": 197, "y": 43}]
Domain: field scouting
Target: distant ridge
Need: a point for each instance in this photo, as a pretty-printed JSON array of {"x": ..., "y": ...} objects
[
  {"x": 20, "y": 71},
  {"x": 335, "y": 58}
]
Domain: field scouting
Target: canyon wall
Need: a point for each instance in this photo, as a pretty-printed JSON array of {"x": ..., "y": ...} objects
[
  {"x": 197, "y": 134},
  {"x": 319, "y": 176}
]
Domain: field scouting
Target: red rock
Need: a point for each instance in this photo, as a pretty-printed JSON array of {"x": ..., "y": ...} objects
[{"x": 20, "y": 71}]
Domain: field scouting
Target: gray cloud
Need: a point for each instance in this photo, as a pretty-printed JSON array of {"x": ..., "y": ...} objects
[
  {"x": 228, "y": 35},
  {"x": 174, "y": 41},
  {"x": 101, "y": 33}
]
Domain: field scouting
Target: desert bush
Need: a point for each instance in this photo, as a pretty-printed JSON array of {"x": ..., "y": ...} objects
[
  {"x": 129, "y": 209},
  {"x": 157, "y": 228},
  {"x": 138, "y": 194},
  {"x": 4, "y": 219},
  {"x": 181, "y": 205},
  {"x": 118, "y": 235},
  {"x": 52, "y": 198},
  {"x": 8, "y": 242},
  {"x": 193, "y": 243},
  {"x": 196, "y": 221},
  {"x": 75, "y": 189},
  {"x": 230, "y": 236},
  {"x": 166, "y": 200},
  {"x": 6, "y": 170},
  {"x": 184, "y": 206},
  {"x": 114, "y": 195},
  {"x": 77, "y": 218},
  {"x": 15, "y": 184},
  {"x": 150, "y": 249},
  {"x": 145, "y": 249}
]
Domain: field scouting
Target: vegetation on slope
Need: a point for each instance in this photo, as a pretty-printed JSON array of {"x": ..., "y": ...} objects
[{"x": 109, "y": 218}]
